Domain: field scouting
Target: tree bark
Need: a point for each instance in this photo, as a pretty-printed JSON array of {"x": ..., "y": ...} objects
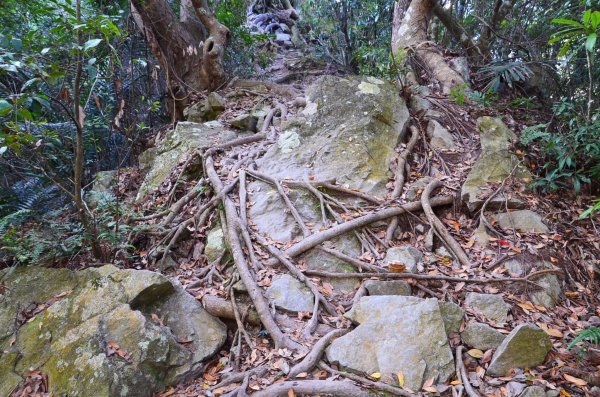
[
  {"x": 190, "y": 49},
  {"x": 409, "y": 34}
]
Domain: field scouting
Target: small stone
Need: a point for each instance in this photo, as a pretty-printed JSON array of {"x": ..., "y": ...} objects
[
  {"x": 215, "y": 244},
  {"x": 482, "y": 336},
  {"x": 245, "y": 122},
  {"x": 392, "y": 287},
  {"x": 290, "y": 294},
  {"x": 552, "y": 393},
  {"x": 533, "y": 391},
  {"x": 491, "y": 306},
  {"x": 452, "y": 315},
  {"x": 407, "y": 256},
  {"x": 525, "y": 347},
  {"x": 522, "y": 221},
  {"x": 281, "y": 38},
  {"x": 215, "y": 102},
  {"x": 443, "y": 252},
  {"x": 194, "y": 113},
  {"x": 550, "y": 283}
]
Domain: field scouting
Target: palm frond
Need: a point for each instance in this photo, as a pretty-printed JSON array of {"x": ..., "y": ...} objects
[{"x": 509, "y": 73}]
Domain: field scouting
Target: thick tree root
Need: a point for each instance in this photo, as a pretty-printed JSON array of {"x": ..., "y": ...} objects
[
  {"x": 313, "y": 388},
  {"x": 316, "y": 353},
  {"x": 439, "y": 227},
  {"x": 462, "y": 371},
  {"x": 400, "y": 178}
]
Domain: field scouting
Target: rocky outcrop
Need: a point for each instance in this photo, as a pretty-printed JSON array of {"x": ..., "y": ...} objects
[
  {"x": 392, "y": 287},
  {"x": 526, "y": 346},
  {"x": 396, "y": 334},
  {"x": 496, "y": 163},
  {"x": 103, "y": 331},
  {"x": 182, "y": 141},
  {"x": 551, "y": 286},
  {"x": 347, "y": 132}
]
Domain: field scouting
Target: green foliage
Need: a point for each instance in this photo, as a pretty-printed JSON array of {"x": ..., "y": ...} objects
[
  {"x": 572, "y": 149},
  {"x": 594, "y": 209},
  {"x": 353, "y": 33},
  {"x": 575, "y": 33},
  {"x": 459, "y": 93},
  {"x": 249, "y": 48},
  {"x": 592, "y": 334}
]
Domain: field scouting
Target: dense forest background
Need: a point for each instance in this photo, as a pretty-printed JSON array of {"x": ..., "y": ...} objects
[{"x": 82, "y": 90}]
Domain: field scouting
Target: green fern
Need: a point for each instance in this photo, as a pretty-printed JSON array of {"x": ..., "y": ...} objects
[{"x": 592, "y": 334}]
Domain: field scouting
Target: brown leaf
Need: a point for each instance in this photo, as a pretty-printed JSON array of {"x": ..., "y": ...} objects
[
  {"x": 575, "y": 381},
  {"x": 397, "y": 267}
]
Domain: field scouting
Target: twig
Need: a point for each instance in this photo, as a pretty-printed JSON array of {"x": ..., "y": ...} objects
[
  {"x": 311, "y": 359},
  {"x": 361, "y": 265},
  {"x": 439, "y": 277},
  {"x": 464, "y": 378},
  {"x": 400, "y": 179},
  {"x": 235, "y": 377},
  {"x": 439, "y": 227},
  {"x": 375, "y": 385}
]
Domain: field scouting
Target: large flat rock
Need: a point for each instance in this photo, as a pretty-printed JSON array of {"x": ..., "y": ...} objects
[
  {"x": 102, "y": 332},
  {"x": 396, "y": 334}
]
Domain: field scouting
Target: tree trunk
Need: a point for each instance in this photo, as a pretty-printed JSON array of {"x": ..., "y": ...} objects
[
  {"x": 409, "y": 33},
  {"x": 190, "y": 50}
]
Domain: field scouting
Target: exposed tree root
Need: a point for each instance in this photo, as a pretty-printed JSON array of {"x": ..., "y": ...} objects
[
  {"x": 593, "y": 379},
  {"x": 232, "y": 229},
  {"x": 312, "y": 358},
  {"x": 439, "y": 227},
  {"x": 400, "y": 178},
  {"x": 313, "y": 387},
  {"x": 375, "y": 385},
  {"x": 236, "y": 377},
  {"x": 462, "y": 371}
]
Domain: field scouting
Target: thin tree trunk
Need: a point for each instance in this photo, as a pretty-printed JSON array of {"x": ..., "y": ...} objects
[{"x": 79, "y": 152}]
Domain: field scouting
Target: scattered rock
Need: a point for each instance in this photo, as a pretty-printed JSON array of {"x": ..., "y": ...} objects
[
  {"x": 533, "y": 391},
  {"x": 94, "y": 332},
  {"x": 396, "y": 334},
  {"x": 440, "y": 137},
  {"x": 102, "y": 189},
  {"x": 491, "y": 306},
  {"x": 550, "y": 283},
  {"x": 524, "y": 221},
  {"x": 407, "y": 256},
  {"x": 290, "y": 294},
  {"x": 213, "y": 106},
  {"x": 482, "y": 336},
  {"x": 525, "y": 347},
  {"x": 245, "y": 122},
  {"x": 494, "y": 165},
  {"x": 414, "y": 191},
  {"x": 392, "y": 287},
  {"x": 452, "y": 314}
]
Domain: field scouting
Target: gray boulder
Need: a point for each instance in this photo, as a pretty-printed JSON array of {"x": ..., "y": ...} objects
[
  {"x": 392, "y": 287},
  {"x": 440, "y": 137},
  {"x": 482, "y": 336},
  {"x": 523, "y": 221},
  {"x": 415, "y": 189},
  {"x": 245, "y": 122},
  {"x": 525, "y": 347},
  {"x": 102, "y": 189},
  {"x": 102, "y": 331},
  {"x": 551, "y": 286},
  {"x": 396, "y": 334},
  {"x": 491, "y": 306},
  {"x": 215, "y": 243},
  {"x": 407, "y": 256},
  {"x": 494, "y": 165},
  {"x": 290, "y": 294}
]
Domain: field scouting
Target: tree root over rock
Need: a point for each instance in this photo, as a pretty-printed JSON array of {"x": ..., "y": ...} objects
[{"x": 313, "y": 387}]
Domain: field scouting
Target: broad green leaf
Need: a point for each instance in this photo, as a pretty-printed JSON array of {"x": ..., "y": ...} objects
[
  {"x": 587, "y": 16},
  {"x": 5, "y": 107},
  {"x": 596, "y": 19},
  {"x": 91, "y": 44},
  {"x": 566, "y": 22},
  {"x": 590, "y": 43}
]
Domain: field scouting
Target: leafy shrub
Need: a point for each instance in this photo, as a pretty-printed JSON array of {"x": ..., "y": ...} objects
[
  {"x": 592, "y": 334},
  {"x": 572, "y": 149}
]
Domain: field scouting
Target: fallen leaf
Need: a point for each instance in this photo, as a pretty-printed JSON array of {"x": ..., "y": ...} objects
[
  {"x": 375, "y": 375},
  {"x": 575, "y": 381},
  {"x": 397, "y": 267},
  {"x": 400, "y": 378},
  {"x": 291, "y": 393},
  {"x": 476, "y": 353}
]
